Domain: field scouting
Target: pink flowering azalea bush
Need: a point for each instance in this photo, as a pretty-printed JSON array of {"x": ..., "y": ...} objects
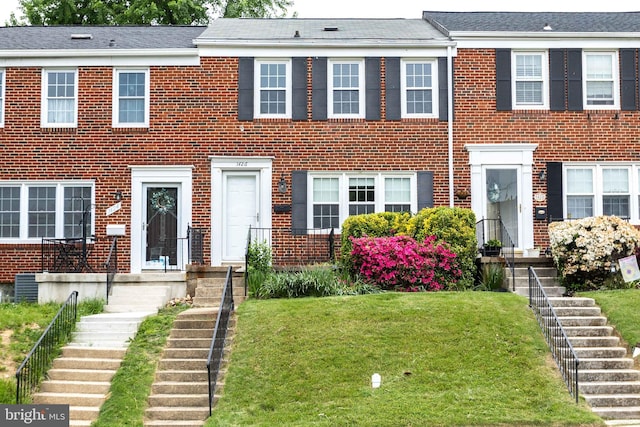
[{"x": 401, "y": 263}]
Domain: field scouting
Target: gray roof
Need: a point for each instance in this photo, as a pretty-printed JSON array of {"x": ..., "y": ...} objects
[
  {"x": 102, "y": 37},
  {"x": 563, "y": 22},
  {"x": 319, "y": 30}
]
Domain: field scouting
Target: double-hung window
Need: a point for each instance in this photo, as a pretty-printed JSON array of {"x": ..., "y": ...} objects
[
  {"x": 59, "y": 98},
  {"x": 601, "y": 80},
  {"x": 530, "y": 71},
  {"x": 32, "y": 211},
  {"x": 419, "y": 92},
  {"x": 131, "y": 98},
  {"x": 580, "y": 192},
  {"x": 346, "y": 89},
  {"x": 273, "y": 88},
  {"x": 334, "y": 197},
  {"x": 615, "y": 192}
]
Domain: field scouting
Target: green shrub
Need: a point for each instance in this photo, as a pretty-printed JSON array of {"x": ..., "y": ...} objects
[
  {"x": 492, "y": 277},
  {"x": 259, "y": 266}
]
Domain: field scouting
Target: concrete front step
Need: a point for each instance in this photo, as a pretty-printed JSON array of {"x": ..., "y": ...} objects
[
  {"x": 613, "y": 400},
  {"x": 180, "y": 387},
  {"x": 81, "y": 374},
  {"x": 606, "y": 363},
  {"x": 99, "y": 353},
  {"x": 588, "y": 331},
  {"x": 84, "y": 412},
  {"x": 609, "y": 387},
  {"x": 572, "y": 302},
  {"x": 608, "y": 375},
  {"x": 177, "y": 414},
  {"x": 186, "y": 353},
  {"x": 63, "y": 386},
  {"x": 182, "y": 364},
  {"x": 582, "y": 321},
  {"x": 604, "y": 352},
  {"x": 195, "y": 324},
  {"x": 618, "y": 413},
  {"x": 179, "y": 400},
  {"x": 170, "y": 375},
  {"x": 189, "y": 342},
  {"x": 191, "y": 333},
  {"x": 84, "y": 363},
  {"x": 79, "y": 399},
  {"x": 556, "y": 291},
  {"x": 594, "y": 341}
]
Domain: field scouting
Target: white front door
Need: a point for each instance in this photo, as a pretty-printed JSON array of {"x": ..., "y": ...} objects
[
  {"x": 503, "y": 201},
  {"x": 241, "y": 210}
]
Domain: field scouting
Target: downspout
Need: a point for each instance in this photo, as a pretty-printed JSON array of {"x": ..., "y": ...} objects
[{"x": 450, "y": 121}]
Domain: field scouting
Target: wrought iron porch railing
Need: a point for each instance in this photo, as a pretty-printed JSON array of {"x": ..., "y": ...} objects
[
  {"x": 39, "y": 359},
  {"x": 111, "y": 265},
  {"x": 494, "y": 229},
  {"x": 554, "y": 334},
  {"x": 216, "y": 351},
  {"x": 296, "y": 246}
]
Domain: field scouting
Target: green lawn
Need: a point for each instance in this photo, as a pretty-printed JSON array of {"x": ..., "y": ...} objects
[
  {"x": 622, "y": 308},
  {"x": 470, "y": 358}
]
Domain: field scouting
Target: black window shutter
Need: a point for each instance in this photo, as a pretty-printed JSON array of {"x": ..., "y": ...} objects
[
  {"x": 299, "y": 202},
  {"x": 299, "y": 89},
  {"x": 372, "y": 88},
  {"x": 392, "y": 89},
  {"x": 628, "y": 89},
  {"x": 443, "y": 90},
  {"x": 554, "y": 191},
  {"x": 319, "y": 89},
  {"x": 425, "y": 189},
  {"x": 245, "y": 88},
  {"x": 503, "y": 79},
  {"x": 574, "y": 80},
  {"x": 557, "y": 93}
]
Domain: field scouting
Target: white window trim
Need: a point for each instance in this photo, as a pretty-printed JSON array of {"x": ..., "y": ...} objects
[
  {"x": 598, "y": 190},
  {"x": 361, "y": 89},
  {"x": 44, "y": 105},
  {"x": 545, "y": 80},
  {"x": 24, "y": 208},
  {"x": 3, "y": 92},
  {"x": 257, "y": 88},
  {"x": 616, "y": 80},
  {"x": 434, "y": 88},
  {"x": 116, "y": 98},
  {"x": 343, "y": 191}
]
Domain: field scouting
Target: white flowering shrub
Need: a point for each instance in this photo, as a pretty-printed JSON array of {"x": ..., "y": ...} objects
[{"x": 584, "y": 249}]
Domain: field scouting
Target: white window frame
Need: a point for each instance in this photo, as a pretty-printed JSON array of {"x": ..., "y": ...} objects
[
  {"x": 615, "y": 80},
  {"x": 44, "y": 115},
  {"x": 3, "y": 91},
  {"x": 544, "y": 79},
  {"x": 343, "y": 189},
  {"x": 633, "y": 175},
  {"x": 116, "y": 98},
  {"x": 59, "y": 208},
  {"x": 434, "y": 88},
  {"x": 258, "y": 89},
  {"x": 361, "y": 89}
]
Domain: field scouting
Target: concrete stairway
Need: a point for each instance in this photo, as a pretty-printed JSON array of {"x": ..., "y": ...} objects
[
  {"x": 209, "y": 291},
  {"x": 81, "y": 376},
  {"x": 180, "y": 393},
  {"x": 545, "y": 270},
  {"x": 144, "y": 292},
  {"x": 607, "y": 378}
]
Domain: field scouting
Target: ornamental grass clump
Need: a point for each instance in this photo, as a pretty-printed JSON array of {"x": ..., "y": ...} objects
[
  {"x": 584, "y": 250},
  {"x": 401, "y": 263}
]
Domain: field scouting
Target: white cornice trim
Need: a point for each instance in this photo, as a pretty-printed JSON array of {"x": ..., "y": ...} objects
[
  {"x": 102, "y": 57},
  {"x": 335, "y": 52}
]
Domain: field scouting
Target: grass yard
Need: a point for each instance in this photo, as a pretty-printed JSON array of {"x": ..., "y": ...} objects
[
  {"x": 622, "y": 308},
  {"x": 449, "y": 359}
]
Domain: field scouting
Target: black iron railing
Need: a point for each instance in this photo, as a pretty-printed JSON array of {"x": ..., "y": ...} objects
[
  {"x": 216, "y": 351},
  {"x": 111, "y": 265},
  {"x": 69, "y": 255},
  {"x": 296, "y": 246},
  {"x": 38, "y": 361},
  {"x": 554, "y": 334},
  {"x": 494, "y": 229},
  {"x": 195, "y": 236}
]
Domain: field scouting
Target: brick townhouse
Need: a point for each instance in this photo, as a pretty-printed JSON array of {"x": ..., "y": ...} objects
[{"x": 299, "y": 123}]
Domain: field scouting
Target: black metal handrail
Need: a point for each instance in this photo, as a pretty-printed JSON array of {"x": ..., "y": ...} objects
[
  {"x": 296, "y": 246},
  {"x": 494, "y": 229},
  {"x": 561, "y": 348},
  {"x": 111, "y": 265},
  {"x": 38, "y": 361},
  {"x": 216, "y": 351}
]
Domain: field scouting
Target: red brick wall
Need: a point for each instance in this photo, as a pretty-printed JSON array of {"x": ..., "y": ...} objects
[
  {"x": 193, "y": 116},
  {"x": 561, "y": 136}
]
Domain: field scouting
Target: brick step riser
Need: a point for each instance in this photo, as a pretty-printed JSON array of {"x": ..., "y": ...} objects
[
  {"x": 177, "y": 414},
  {"x": 57, "y": 386}
]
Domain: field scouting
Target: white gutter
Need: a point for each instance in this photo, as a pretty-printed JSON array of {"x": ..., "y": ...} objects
[{"x": 450, "y": 121}]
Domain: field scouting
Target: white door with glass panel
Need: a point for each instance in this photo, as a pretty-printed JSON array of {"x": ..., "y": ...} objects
[
  {"x": 241, "y": 203},
  {"x": 502, "y": 201}
]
